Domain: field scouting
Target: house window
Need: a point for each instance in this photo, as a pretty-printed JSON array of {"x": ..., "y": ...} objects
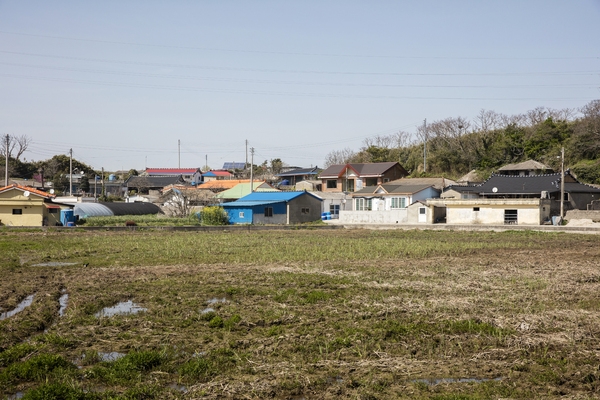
[
  {"x": 17, "y": 211},
  {"x": 53, "y": 210},
  {"x": 305, "y": 210},
  {"x": 385, "y": 180},
  {"x": 268, "y": 211},
  {"x": 241, "y": 214},
  {"x": 331, "y": 183},
  {"x": 475, "y": 208},
  {"x": 334, "y": 209},
  {"x": 348, "y": 185},
  {"x": 398, "y": 202},
  {"x": 566, "y": 197},
  {"x": 362, "y": 204}
]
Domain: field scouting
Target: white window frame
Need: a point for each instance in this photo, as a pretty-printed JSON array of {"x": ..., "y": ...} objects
[
  {"x": 362, "y": 204},
  {"x": 397, "y": 203}
]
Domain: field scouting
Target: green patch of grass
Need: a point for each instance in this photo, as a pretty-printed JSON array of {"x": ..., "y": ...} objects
[
  {"x": 60, "y": 391},
  {"x": 37, "y": 368},
  {"x": 15, "y": 353}
]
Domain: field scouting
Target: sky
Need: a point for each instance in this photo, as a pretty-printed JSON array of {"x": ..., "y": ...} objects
[{"x": 167, "y": 84}]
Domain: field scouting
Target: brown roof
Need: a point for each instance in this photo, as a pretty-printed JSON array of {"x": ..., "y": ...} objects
[
  {"x": 222, "y": 184},
  {"x": 27, "y": 189},
  {"x": 529, "y": 165},
  {"x": 361, "y": 169}
]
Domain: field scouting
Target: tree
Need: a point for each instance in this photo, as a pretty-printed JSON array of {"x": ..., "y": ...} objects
[
  {"x": 276, "y": 166},
  {"x": 84, "y": 185},
  {"x": 337, "y": 157},
  {"x": 17, "y": 145}
]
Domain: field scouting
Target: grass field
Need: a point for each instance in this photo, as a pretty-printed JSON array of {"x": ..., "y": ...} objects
[{"x": 306, "y": 314}]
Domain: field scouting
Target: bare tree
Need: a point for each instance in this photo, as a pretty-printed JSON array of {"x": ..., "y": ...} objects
[
  {"x": 181, "y": 201},
  {"x": 336, "y": 157},
  {"x": 17, "y": 145}
]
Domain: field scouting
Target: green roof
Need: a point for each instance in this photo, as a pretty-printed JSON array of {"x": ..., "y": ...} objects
[{"x": 242, "y": 189}]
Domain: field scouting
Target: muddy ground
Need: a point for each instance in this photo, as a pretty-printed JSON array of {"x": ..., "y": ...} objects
[{"x": 516, "y": 317}]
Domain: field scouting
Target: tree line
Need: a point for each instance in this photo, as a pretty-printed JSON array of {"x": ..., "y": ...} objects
[{"x": 453, "y": 147}]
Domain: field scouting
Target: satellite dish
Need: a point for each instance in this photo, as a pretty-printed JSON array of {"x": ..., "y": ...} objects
[
  {"x": 26, "y": 193},
  {"x": 494, "y": 189},
  {"x": 51, "y": 191}
]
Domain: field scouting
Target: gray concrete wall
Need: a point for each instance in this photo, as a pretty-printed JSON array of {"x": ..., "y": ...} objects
[{"x": 581, "y": 214}]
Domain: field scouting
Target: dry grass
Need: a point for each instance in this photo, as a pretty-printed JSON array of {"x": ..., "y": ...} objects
[{"x": 319, "y": 314}]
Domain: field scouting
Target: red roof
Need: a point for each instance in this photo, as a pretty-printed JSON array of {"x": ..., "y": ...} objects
[
  {"x": 26, "y": 189},
  {"x": 171, "y": 171}
]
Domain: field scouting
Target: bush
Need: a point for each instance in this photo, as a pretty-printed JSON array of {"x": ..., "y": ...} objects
[{"x": 214, "y": 216}]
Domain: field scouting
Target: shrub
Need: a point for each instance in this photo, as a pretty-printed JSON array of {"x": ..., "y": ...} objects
[{"x": 214, "y": 216}]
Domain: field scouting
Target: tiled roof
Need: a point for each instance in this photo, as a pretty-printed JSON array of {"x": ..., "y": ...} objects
[
  {"x": 171, "y": 171},
  {"x": 153, "y": 181},
  {"x": 529, "y": 165},
  {"x": 27, "y": 189},
  {"x": 366, "y": 169},
  {"x": 300, "y": 171},
  {"x": 222, "y": 184},
  {"x": 526, "y": 185},
  {"x": 391, "y": 188},
  {"x": 219, "y": 172}
]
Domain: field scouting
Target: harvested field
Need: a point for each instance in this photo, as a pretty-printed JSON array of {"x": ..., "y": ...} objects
[{"x": 307, "y": 314}]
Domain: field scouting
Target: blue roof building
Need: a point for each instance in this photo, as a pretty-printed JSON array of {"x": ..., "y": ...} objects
[{"x": 274, "y": 208}]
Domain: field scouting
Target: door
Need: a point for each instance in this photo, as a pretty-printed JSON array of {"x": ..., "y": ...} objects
[{"x": 422, "y": 214}]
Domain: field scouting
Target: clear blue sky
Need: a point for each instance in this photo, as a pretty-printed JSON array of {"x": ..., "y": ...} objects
[{"x": 120, "y": 82}]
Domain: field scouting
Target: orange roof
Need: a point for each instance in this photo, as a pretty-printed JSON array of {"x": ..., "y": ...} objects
[
  {"x": 222, "y": 184},
  {"x": 26, "y": 189}
]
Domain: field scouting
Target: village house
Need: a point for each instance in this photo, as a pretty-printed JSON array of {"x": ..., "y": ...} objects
[
  {"x": 27, "y": 206},
  {"x": 274, "y": 208},
  {"x": 515, "y": 199},
  {"x": 355, "y": 176},
  {"x": 388, "y": 203}
]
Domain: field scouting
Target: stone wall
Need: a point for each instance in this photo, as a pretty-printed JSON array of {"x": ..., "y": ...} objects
[{"x": 583, "y": 214}]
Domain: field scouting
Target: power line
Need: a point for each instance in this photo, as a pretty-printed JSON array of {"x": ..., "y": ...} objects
[
  {"x": 285, "y": 53},
  {"x": 286, "y": 82},
  {"x": 221, "y": 68}
]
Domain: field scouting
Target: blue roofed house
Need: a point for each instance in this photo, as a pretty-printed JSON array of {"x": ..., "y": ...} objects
[{"x": 274, "y": 208}]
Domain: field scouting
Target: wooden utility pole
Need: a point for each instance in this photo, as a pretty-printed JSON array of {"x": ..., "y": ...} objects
[
  {"x": 6, "y": 161},
  {"x": 252, "y": 170},
  {"x": 562, "y": 183},
  {"x": 70, "y": 172},
  {"x": 425, "y": 145}
]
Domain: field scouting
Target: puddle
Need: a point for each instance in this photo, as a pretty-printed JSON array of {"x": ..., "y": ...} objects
[
  {"x": 54, "y": 264},
  {"x": 124, "y": 307},
  {"x": 215, "y": 300},
  {"x": 109, "y": 357},
  {"x": 178, "y": 387},
  {"x": 433, "y": 382},
  {"x": 22, "y": 305},
  {"x": 207, "y": 310},
  {"x": 63, "y": 300},
  {"x": 18, "y": 395}
]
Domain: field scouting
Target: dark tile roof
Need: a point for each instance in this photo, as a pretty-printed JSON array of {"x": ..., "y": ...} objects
[
  {"x": 153, "y": 181},
  {"x": 366, "y": 169},
  {"x": 526, "y": 185},
  {"x": 300, "y": 171}
]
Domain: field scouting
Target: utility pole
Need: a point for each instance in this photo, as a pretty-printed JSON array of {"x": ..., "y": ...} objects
[
  {"x": 102, "y": 183},
  {"x": 6, "y": 161},
  {"x": 178, "y": 153},
  {"x": 246, "y": 164},
  {"x": 206, "y": 161},
  {"x": 425, "y": 146},
  {"x": 562, "y": 183},
  {"x": 252, "y": 170},
  {"x": 70, "y": 172}
]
